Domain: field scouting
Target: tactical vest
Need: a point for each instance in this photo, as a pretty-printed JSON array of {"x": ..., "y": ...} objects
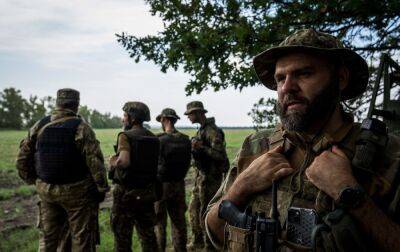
[
  {"x": 295, "y": 190},
  {"x": 142, "y": 170},
  {"x": 57, "y": 158},
  {"x": 176, "y": 154}
]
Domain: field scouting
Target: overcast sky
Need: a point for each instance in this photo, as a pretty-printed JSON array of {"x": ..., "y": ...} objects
[{"x": 46, "y": 45}]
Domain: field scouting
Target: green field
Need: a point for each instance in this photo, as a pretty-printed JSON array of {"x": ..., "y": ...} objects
[{"x": 17, "y": 210}]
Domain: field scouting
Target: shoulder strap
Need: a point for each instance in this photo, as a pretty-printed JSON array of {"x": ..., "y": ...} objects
[
  {"x": 60, "y": 120},
  {"x": 43, "y": 122},
  {"x": 73, "y": 123}
]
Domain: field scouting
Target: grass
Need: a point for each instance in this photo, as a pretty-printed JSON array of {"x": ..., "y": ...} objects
[{"x": 11, "y": 185}]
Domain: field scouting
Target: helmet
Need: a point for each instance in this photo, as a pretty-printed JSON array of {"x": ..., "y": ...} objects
[{"x": 137, "y": 110}]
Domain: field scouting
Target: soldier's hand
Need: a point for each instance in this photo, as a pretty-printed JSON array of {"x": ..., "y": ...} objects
[
  {"x": 261, "y": 172},
  {"x": 113, "y": 160},
  {"x": 331, "y": 172}
]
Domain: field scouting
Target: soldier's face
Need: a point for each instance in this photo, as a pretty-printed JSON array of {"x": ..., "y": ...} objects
[
  {"x": 126, "y": 122},
  {"x": 193, "y": 117},
  {"x": 307, "y": 89}
]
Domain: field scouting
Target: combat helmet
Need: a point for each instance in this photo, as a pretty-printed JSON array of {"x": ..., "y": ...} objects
[
  {"x": 315, "y": 42},
  {"x": 137, "y": 110}
]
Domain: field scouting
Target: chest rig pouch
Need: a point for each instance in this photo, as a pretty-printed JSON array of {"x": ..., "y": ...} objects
[{"x": 57, "y": 158}]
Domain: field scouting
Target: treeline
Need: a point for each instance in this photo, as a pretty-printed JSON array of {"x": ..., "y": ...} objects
[{"x": 16, "y": 112}]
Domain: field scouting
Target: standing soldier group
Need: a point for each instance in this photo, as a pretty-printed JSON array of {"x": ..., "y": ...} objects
[
  {"x": 335, "y": 176},
  {"x": 62, "y": 157}
]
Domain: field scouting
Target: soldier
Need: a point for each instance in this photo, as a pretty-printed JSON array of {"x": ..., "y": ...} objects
[
  {"x": 134, "y": 171},
  {"x": 62, "y": 156},
  {"x": 211, "y": 161},
  {"x": 312, "y": 155},
  {"x": 174, "y": 162}
]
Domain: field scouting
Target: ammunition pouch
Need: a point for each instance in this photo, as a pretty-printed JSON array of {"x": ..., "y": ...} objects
[{"x": 238, "y": 239}]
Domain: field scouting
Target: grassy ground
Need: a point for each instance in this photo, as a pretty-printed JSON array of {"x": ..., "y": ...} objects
[{"x": 17, "y": 201}]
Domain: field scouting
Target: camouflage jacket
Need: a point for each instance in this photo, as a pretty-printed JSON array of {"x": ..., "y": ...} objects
[
  {"x": 211, "y": 158},
  {"x": 86, "y": 142},
  {"x": 295, "y": 190}
]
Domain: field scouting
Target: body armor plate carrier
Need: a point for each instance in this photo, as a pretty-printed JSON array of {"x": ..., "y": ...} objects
[
  {"x": 144, "y": 162},
  {"x": 177, "y": 156},
  {"x": 57, "y": 158}
]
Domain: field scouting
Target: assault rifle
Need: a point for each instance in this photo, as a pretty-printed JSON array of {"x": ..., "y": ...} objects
[{"x": 266, "y": 230}]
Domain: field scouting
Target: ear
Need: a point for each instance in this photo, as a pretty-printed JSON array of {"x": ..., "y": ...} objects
[{"x": 343, "y": 77}]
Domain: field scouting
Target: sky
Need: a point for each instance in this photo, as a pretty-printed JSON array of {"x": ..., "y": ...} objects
[{"x": 46, "y": 45}]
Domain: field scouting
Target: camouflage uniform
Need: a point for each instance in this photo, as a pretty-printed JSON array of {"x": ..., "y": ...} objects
[
  {"x": 211, "y": 162},
  {"x": 301, "y": 149},
  {"x": 73, "y": 205},
  {"x": 297, "y": 190},
  {"x": 133, "y": 207},
  {"x": 173, "y": 197}
]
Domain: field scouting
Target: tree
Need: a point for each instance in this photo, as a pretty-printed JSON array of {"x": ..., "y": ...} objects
[
  {"x": 215, "y": 41},
  {"x": 264, "y": 113},
  {"x": 12, "y": 107}
]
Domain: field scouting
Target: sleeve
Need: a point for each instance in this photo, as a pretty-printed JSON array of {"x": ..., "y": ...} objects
[
  {"x": 123, "y": 143},
  {"x": 226, "y": 184},
  {"x": 25, "y": 163},
  {"x": 93, "y": 156},
  {"x": 217, "y": 149}
]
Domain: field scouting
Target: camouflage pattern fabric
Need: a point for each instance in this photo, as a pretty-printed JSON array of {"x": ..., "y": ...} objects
[
  {"x": 131, "y": 208},
  {"x": 195, "y": 106},
  {"x": 172, "y": 203},
  {"x": 296, "y": 190},
  {"x": 76, "y": 203},
  {"x": 211, "y": 161}
]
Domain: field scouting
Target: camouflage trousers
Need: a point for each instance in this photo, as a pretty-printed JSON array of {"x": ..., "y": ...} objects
[
  {"x": 172, "y": 202},
  {"x": 133, "y": 208},
  {"x": 68, "y": 218},
  {"x": 203, "y": 191}
]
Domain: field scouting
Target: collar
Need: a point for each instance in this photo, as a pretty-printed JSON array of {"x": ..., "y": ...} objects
[
  {"x": 324, "y": 140},
  {"x": 60, "y": 113},
  {"x": 209, "y": 121}
]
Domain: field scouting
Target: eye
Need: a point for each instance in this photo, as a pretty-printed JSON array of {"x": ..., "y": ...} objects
[
  {"x": 305, "y": 73},
  {"x": 279, "y": 79}
]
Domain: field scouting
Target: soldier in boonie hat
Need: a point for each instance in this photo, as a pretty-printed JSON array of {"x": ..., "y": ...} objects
[
  {"x": 315, "y": 42},
  {"x": 167, "y": 112},
  {"x": 194, "y": 106}
]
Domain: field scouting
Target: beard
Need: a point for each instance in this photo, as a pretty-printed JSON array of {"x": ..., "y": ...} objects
[
  {"x": 127, "y": 127},
  {"x": 322, "y": 106}
]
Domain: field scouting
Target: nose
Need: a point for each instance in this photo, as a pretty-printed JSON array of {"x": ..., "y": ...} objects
[{"x": 290, "y": 84}]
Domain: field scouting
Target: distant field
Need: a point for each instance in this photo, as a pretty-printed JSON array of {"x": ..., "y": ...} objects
[{"x": 17, "y": 201}]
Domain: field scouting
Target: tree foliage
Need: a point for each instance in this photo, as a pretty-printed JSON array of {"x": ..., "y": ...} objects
[
  {"x": 16, "y": 112},
  {"x": 264, "y": 113},
  {"x": 12, "y": 107},
  {"x": 215, "y": 41}
]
